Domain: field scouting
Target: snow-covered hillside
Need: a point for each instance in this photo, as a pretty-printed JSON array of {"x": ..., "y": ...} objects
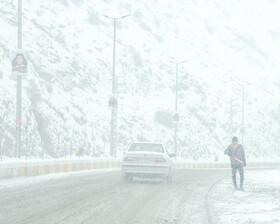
[{"x": 65, "y": 95}]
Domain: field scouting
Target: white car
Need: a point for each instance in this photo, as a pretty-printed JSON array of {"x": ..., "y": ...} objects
[{"x": 147, "y": 160}]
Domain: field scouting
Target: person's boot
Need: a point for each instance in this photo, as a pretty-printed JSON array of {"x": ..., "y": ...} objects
[
  {"x": 241, "y": 188},
  {"x": 235, "y": 187}
]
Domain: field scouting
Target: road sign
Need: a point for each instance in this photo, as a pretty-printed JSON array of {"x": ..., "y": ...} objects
[
  {"x": 19, "y": 62},
  {"x": 80, "y": 151},
  {"x": 113, "y": 102},
  {"x": 18, "y": 121},
  {"x": 176, "y": 117}
]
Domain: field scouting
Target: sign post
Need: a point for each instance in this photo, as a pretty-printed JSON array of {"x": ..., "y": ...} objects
[
  {"x": 113, "y": 102},
  {"x": 175, "y": 120},
  {"x": 19, "y": 69},
  {"x": 176, "y": 117},
  {"x": 1, "y": 149},
  {"x": 19, "y": 59}
]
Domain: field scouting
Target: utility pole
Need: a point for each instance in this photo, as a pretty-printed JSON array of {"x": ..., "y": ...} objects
[
  {"x": 19, "y": 85},
  {"x": 27, "y": 140},
  {"x": 71, "y": 145},
  {"x": 231, "y": 117},
  {"x": 114, "y": 111},
  {"x": 231, "y": 113},
  {"x": 1, "y": 149},
  {"x": 176, "y": 116},
  {"x": 243, "y": 112},
  {"x": 243, "y": 128}
]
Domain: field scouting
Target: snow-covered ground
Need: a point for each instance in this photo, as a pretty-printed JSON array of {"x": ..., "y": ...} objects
[
  {"x": 65, "y": 94},
  {"x": 259, "y": 203},
  {"x": 99, "y": 197},
  {"x": 25, "y": 182}
]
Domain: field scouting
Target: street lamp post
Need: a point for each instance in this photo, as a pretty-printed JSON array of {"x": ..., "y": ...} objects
[
  {"x": 114, "y": 111},
  {"x": 243, "y": 111},
  {"x": 231, "y": 116},
  {"x": 176, "y": 105},
  {"x": 243, "y": 128},
  {"x": 231, "y": 113},
  {"x": 19, "y": 85}
]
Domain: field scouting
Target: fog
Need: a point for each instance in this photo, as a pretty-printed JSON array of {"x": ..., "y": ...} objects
[{"x": 82, "y": 80}]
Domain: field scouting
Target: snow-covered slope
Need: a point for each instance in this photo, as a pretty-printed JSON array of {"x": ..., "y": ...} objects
[{"x": 65, "y": 95}]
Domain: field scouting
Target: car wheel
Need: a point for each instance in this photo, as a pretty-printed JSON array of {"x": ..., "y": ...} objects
[
  {"x": 169, "y": 179},
  {"x": 165, "y": 179},
  {"x": 127, "y": 178}
]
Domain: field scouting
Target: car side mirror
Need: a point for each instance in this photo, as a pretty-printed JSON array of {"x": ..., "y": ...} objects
[{"x": 172, "y": 155}]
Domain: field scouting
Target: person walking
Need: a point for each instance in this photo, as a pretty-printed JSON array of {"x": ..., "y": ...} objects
[{"x": 238, "y": 161}]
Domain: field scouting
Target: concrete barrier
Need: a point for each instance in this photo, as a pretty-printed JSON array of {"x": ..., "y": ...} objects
[
  {"x": 36, "y": 168},
  {"x": 221, "y": 165}
]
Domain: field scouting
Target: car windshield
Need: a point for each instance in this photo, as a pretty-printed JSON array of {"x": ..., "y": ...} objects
[{"x": 146, "y": 147}]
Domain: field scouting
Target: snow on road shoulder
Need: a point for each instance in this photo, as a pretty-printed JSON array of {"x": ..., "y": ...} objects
[
  {"x": 25, "y": 181},
  {"x": 258, "y": 204}
]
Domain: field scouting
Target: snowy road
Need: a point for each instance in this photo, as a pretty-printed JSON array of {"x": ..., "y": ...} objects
[{"x": 101, "y": 198}]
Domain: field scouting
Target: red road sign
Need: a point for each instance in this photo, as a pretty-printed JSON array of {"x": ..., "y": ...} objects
[
  {"x": 176, "y": 117},
  {"x": 18, "y": 121},
  {"x": 113, "y": 102}
]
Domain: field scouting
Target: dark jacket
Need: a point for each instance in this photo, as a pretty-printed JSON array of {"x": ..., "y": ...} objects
[{"x": 237, "y": 156}]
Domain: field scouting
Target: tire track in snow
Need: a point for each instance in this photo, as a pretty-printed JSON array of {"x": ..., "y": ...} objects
[
  {"x": 209, "y": 217},
  {"x": 102, "y": 199}
]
